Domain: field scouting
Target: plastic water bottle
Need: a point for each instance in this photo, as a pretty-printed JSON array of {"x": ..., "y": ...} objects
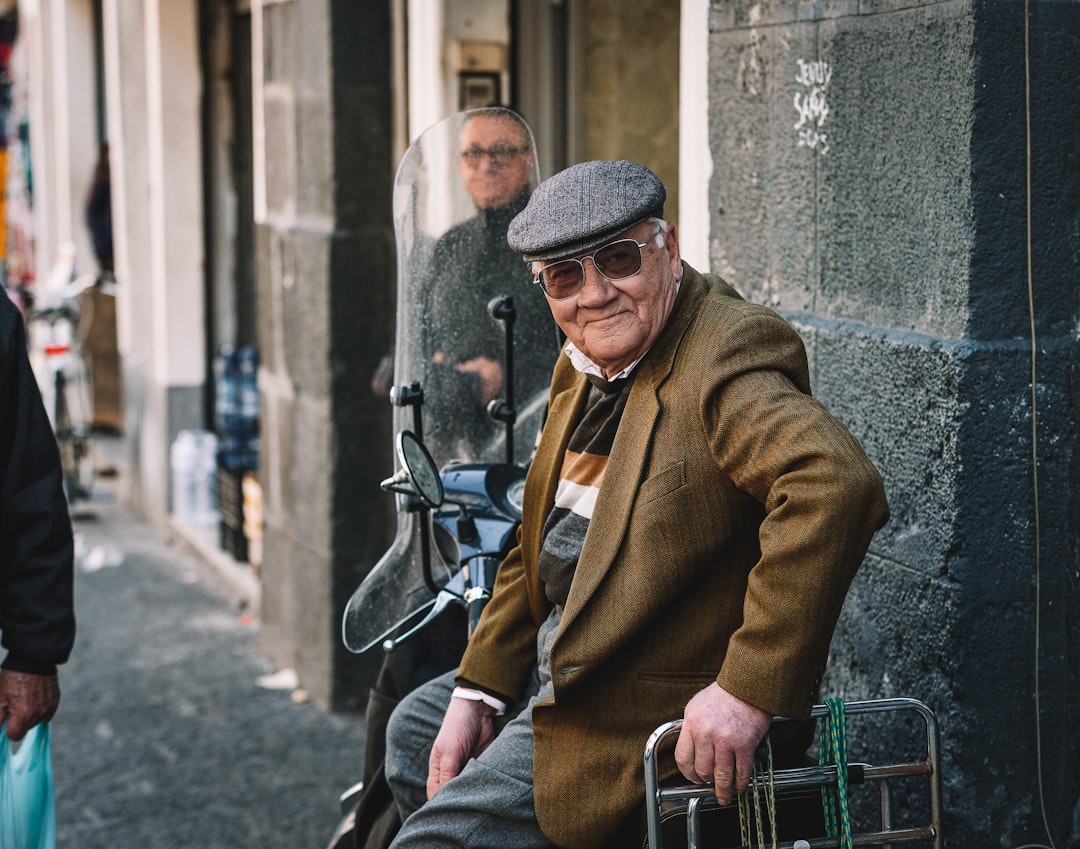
[{"x": 193, "y": 461}]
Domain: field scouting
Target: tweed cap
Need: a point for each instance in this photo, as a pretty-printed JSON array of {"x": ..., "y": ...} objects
[{"x": 583, "y": 207}]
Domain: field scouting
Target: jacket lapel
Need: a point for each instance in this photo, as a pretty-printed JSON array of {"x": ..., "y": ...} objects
[
  {"x": 630, "y": 452},
  {"x": 543, "y": 480}
]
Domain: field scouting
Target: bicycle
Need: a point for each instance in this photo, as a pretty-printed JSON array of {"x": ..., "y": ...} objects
[{"x": 57, "y": 322}]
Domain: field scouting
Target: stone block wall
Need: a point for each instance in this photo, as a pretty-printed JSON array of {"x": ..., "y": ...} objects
[
  {"x": 870, "y": 184},
  {"x": 325, "y": 303}
]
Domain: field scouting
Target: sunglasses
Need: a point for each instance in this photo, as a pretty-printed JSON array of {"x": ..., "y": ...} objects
[
  {"x": 615, "y": 260},
  {"x": 500, "y": 154}
]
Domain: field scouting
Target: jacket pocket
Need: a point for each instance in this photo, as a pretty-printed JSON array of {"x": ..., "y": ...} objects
[{"x": 663, "y": 483}]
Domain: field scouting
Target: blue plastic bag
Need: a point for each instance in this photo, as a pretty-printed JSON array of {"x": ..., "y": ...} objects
[{"x": 27, "y": 804}]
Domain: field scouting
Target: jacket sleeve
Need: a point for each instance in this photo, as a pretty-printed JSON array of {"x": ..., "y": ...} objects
[
  {"x": 502, "y": 652},
  {"x": 36, "y": 549},
  {"x": 822, "y": 498}
]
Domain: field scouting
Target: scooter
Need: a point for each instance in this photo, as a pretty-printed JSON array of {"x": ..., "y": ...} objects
[
  {"x": 474, "y": 510},
  {"x": 465, "y": 305}
]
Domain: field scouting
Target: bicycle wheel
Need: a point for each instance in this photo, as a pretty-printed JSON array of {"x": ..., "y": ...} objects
[{"x": 74, "y": 442}]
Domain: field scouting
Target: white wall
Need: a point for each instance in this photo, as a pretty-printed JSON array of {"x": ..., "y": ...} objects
[
  {"x": 58, "y": 35},
  {"x": 153, "y": 91},
  {"x": 425, "y": 66},
  {"x": 174, "y": 91},
  {"x": 695, "y": 158}
]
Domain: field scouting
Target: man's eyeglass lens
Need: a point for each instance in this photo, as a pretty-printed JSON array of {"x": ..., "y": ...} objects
[
  {"x": 616, "y": 261},
  {"x": 499, "y": 155}
]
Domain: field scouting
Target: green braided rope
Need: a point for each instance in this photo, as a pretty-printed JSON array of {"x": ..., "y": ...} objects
[
  {"x": 744, "y": 820},
  {"x": 833, "y": 750},
  {"x": 750, "y": 803}
]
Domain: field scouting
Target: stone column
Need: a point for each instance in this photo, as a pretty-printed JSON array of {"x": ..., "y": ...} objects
[
  {"x": 870, "y": 184},
  {"x": 325, "y": 263}
]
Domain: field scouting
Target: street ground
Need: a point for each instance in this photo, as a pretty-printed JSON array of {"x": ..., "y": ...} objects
[{"x": 170, "y": 732}]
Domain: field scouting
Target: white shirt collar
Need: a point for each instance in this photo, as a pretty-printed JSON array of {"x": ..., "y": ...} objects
[{"x": 587, "y": 366}]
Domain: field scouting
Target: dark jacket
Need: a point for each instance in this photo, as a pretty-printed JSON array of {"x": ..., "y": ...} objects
[
  {"x": 472, "y": 264},
  {"x": 37, "y": 621}
]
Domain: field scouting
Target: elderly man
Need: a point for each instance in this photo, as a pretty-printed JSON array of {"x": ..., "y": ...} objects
[
  {"x": 693, "y": 518},
  {"x": 497, "y": 162},
  {"x": 468, "y": 265},
  {"x": 36, "y": 549}
]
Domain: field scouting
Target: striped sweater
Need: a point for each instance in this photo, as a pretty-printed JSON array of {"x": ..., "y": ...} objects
[{"x": 580, "y": 479}]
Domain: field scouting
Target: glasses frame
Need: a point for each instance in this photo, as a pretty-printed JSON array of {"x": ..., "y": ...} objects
[
  {"x": 591, "y": 256},
  {"x": 498, "y": 156}
]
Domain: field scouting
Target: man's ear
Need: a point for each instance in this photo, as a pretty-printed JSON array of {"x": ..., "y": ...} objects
[{"x": 671, "y": 245}]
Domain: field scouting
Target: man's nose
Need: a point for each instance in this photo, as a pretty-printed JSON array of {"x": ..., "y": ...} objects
[{"x": 597, "y": 288}]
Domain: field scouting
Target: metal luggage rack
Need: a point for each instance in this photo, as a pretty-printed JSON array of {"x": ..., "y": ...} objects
[{"x": 691, "y": 800}]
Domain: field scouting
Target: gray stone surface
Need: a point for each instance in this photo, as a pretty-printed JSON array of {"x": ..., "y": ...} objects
[
  {"x": 164, "y": 737},
  {"x": 325, "y": 272},
  {"x": 872, "y": 176}
]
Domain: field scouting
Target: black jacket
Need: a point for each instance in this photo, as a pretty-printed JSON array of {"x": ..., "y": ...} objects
[{"x": 37, "y": 620}]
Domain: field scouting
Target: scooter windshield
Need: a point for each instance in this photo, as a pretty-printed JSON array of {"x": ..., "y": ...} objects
[{"x": 457, "y": 188}]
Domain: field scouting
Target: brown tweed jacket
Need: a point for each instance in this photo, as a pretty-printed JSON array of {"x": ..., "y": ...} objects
[{"x": 733, "y": 515}]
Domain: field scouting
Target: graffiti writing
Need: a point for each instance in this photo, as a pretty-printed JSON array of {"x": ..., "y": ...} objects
[
  {"x": 811, "y": 104},
  {"x": 813, "y": 73},
  {"x": 812, "y": 108}
]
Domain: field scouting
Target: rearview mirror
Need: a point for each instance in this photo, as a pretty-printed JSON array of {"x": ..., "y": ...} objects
[{"x": 420, "y": 468}]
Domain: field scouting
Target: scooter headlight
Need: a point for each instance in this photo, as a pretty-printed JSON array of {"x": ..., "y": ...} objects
[{"x": 515, "y": 495}]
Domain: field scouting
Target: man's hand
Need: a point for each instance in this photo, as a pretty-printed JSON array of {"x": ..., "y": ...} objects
[
  {"x": 26, "y": 700},
  {"x": 467, "y": 729},
  {"x": 719, "y": 736},
  {"x": 490, "y": 374}
]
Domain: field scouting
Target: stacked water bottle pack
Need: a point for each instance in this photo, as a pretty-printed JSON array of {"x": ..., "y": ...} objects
[
  {"x": 192, "y": 458},
  {"x": 236, "y": 418}
]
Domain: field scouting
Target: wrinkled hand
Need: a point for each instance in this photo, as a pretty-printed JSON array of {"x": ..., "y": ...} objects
[
  {"x": 489, "y": 372},
  {"x": 27, "y": 700},
  {"x": 467, "y": 729},
  {"x": 719, "y": 737}
]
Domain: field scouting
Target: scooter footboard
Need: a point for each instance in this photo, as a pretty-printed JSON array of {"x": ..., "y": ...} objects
[{"x": 873, "y": 789}]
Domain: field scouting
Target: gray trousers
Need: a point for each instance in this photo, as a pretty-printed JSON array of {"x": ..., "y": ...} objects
[{"x": 490, "y": 804}]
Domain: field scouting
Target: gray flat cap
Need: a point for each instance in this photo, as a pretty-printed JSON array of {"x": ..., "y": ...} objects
[{"x": 583, "y": 207}]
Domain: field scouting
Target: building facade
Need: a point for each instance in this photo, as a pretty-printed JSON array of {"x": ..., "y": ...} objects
[{"x": 898, "y": 179}]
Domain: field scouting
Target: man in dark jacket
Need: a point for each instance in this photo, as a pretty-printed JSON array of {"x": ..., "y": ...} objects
[{"x": 37, "y": 622}]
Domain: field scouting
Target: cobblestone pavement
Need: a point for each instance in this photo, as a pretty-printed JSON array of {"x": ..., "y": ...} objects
[{"x": 165, "y": 736}]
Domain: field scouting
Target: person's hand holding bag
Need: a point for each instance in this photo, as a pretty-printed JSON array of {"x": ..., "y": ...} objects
[{"x": 26, "y": 700}]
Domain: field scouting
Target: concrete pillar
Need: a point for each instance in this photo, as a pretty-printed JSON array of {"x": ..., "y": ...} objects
[
  {"x": 153, "y": 88},
  {"x": 125, "y": 74},
  {"x": 870, "y": 183},
  {"x": 63, "y": 130},
  {"x": 428, "y": 87},
  {"x": 174, "y": 91},
  {"x": 695, "y": 156},
  {"x": 324, "y": 248}
]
